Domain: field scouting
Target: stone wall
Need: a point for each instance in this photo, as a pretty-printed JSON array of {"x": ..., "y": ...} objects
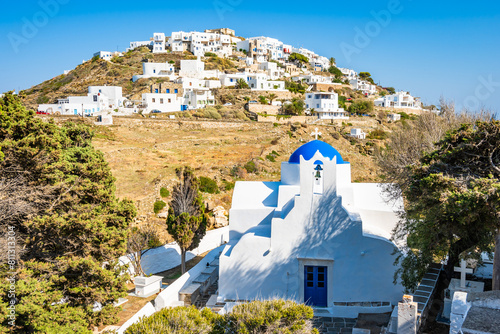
[
  {"x": 328, "y": 87},
  {"x": 284, "y": 120},
  {"x": 263, "y": 109}
]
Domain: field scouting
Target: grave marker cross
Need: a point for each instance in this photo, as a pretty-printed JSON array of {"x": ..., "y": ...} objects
[{"x": 463, "y": 270}]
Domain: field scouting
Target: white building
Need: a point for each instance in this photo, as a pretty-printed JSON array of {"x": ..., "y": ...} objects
[
  {"x": 161, "y": 102},
  {"x": 156, "y": 70},
  {"x": 394, "y": 117},
  {"x": 348, "y": 73},
  {"x": 192, "y": 68},
  {"x": 231, "y": 79},
  {"x": 262, "y": 49},
  {"x": 259, "y": 81},
  {"x": 137, "y": 44},
  {"x": 325, "y": 105},
  {"x": 314, "y": 237},
  {"x": 98, "y": 99},
  {"x": 313, "y": 78},
  {"x": 200, "y": 43},
  {"x": 363, "y": 86},
  {"x": 106, "y": 55},
  {"x": 271, "y": 69},
  {"x": 358, "y": 133},
  {"x": 399, "y": 100},
  {"x": 159, "y": 42},
  {"x": 197, "y": 92}
]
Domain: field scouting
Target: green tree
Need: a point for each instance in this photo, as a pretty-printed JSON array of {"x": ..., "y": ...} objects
[
  {"x": 332, "y": 61},
  {"x": 241, "y": 84},
  {"x": 58, "y": 195},
  {"x": 263, "y": 100},
  {"x": 272, "y": 97},
  {"x": 295, "y": 108},
  {"x": 186, "y": 221},
  {"x": 453, "y": 203},
  {"x": 391, "y": 90},
  {"x": 335, "y": 71},
  {"x": 364, "y": 75},
  {"x": 361, "y": 107},
  {"x": 298, "y": 58}
]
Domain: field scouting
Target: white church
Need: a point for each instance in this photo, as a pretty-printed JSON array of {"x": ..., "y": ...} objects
[{"x": 314, "y": 237}]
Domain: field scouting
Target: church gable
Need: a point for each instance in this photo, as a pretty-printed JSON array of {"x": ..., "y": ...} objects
[{"x": 311, "y": 238}]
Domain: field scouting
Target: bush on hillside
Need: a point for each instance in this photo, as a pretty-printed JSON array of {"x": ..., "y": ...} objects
[
  {"x": 158, "y": 206},
  {"x": 164, "y": 192},
  {"x": 207, "y": 185},
  {"x": 361, "y": 107},
  {"x": 377, "y": 134},
  {"x": 257, "y": 317}
]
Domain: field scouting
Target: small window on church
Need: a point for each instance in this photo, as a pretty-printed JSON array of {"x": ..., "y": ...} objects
[
  {"x": 309, "y": 269},
  {"x": 310, "y": 284},
  {"x": 321, "y": 284},
  {"x": 310, "y": 277},
  {"x": 321, "y": 277},
  {"x": 321, "y": 270}
]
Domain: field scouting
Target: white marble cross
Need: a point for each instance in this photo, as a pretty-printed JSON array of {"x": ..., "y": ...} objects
[
  {"x": 463, "y": 270},
  {"x": 316, "y": 133}
]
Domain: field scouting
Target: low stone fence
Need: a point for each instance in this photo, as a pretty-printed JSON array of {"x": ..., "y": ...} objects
[
  {"x": 284, "y": 119},
  {"x": 263, "y": 109}
]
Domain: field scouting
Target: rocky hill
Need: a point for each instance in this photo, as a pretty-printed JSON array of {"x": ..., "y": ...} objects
[{"x": 117, "y": 72}]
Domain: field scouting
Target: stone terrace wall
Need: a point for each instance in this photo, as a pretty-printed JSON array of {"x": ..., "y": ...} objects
[{"x": 263, "y": 109}]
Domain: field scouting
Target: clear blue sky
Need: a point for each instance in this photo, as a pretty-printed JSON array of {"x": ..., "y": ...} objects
[{"x": 430, "y": 48}]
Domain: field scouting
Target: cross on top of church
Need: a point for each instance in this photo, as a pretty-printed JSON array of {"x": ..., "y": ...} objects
[
  {"x": 316, "y": 133},
  {"x": 463, "y": 270}
]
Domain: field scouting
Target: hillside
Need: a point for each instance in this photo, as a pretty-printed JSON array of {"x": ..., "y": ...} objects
[
  {"x": 117, "y": 72},
  {"x": 144, "y": 153}
]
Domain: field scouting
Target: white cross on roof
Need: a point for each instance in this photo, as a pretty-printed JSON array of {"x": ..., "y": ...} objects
[{"x": 316, "y": 133}]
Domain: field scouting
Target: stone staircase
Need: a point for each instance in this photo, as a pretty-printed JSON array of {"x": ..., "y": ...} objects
[{"x": 195, "y": 293}]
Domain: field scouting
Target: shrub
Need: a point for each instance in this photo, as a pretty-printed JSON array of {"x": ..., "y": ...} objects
[
  {"x": 164, "y": 192},
  {"x": 154, "y": 242},
  {"x": 258, "y": 317},
  {"x": 342, "y": 100},
  {"x": 158, "y": 206},
  {"x": 178, "y": 320},
  {"x": 42, "y": 99},
  {"x": 361, "y": 107},
  {"x": 207, "y": 185},
  {"x": 377, "y": 134},
  {"x": 227, "y": 186},
  {"x": 210, "y": 54},
  {"x": 271, "y": 158},
  {"x": 250, "y": 167},
  {"x": 274, "y": 316},
  {"x": 118, "y": 60}
]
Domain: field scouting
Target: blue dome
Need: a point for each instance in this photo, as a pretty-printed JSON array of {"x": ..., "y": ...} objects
[{"x": 309, "y": 150}]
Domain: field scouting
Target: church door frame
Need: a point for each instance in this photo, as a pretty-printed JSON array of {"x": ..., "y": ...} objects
[{"x": 306, "y": 262}]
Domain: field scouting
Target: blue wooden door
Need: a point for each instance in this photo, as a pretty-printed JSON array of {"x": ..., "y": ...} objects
[{"x": 315, "y": 286}]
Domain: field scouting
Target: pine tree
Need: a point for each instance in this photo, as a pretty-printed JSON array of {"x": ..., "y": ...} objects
[
  {"x": 186, "y": 221},
  {"x": 59, "y": 197}
]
